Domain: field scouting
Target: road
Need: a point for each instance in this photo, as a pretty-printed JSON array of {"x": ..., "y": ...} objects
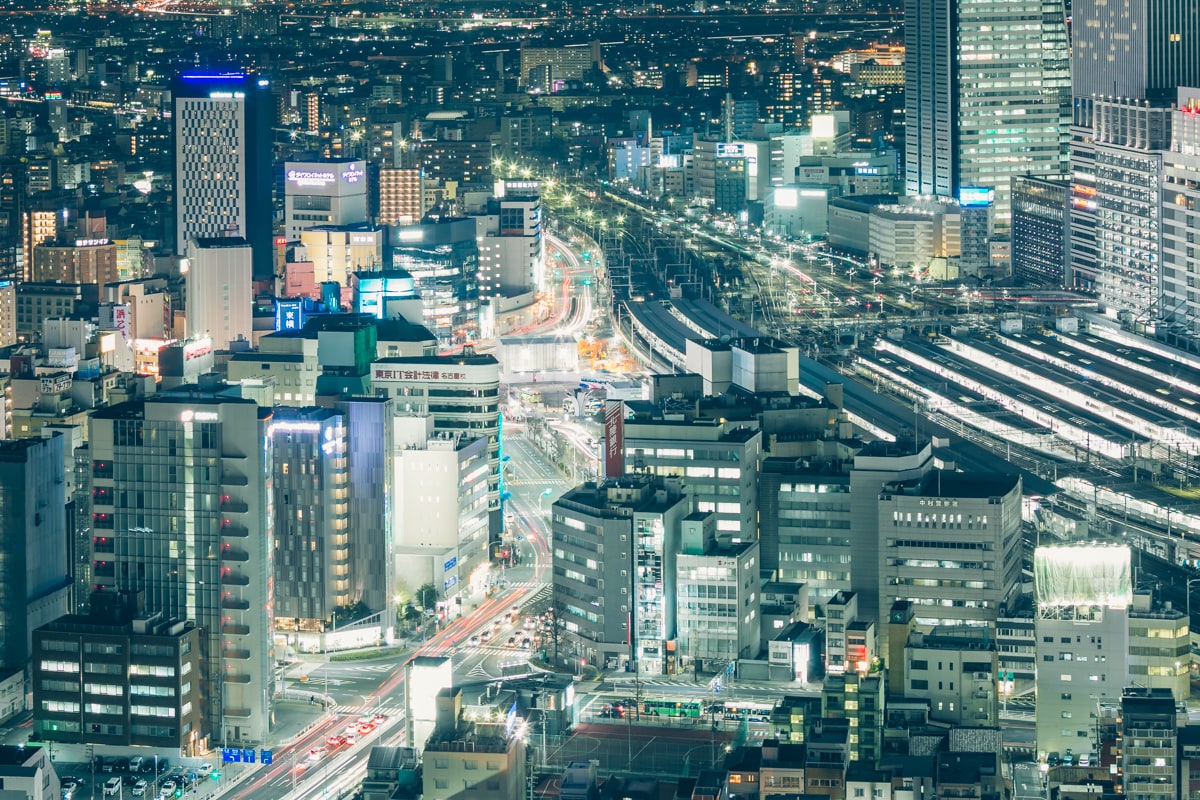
[{"x": 358, "y": 687}]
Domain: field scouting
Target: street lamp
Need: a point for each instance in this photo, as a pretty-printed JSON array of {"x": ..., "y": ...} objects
[{"x": 541, "y": 497}]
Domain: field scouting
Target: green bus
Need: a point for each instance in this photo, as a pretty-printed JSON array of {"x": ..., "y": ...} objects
[{"x": 671, "y": 708}]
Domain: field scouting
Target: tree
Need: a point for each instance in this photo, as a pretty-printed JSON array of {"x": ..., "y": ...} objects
[
  {"x": 427, "y": 597},
  {"x": 412, "y": 615}
]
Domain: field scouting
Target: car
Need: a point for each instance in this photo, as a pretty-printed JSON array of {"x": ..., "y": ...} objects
[
  {"x": 474, "y": 641},
  {"x": 526, "y": 643},
  {"x": 136, "y": 763},
  {"x": 316, "y": 754},
  {"x": 351, "y": 728},
  {"x": 70, "y": 783},
  {"x": 498, "y": 623},
  {"x": 112, "y": 787},
  {"x": 68, "y": 792},
  {"x": 204, "y": 770},
  {"x": 166, "y": 788},
  {"x": 512, "y": 641},
  {"x": 164, "y": 766},
  {"x": 101, "y": 764},
  {"x": 485, "y": 635},
  {"x": 365, "y": 727},
  {"x": 335, "y": 741},
  {"x": 515, "y": 611},
  {"x": 1053, "y": 759},
  {"x": 1085, "y": 760},
  {"x": 121, "y": 765},
  {"x": 351, "y": 736},
  {"x": 378, "y": 719},
  {"x": 530, "y": 623},
  {"x": 147, "y": 765},
  {"x": 1068, "y": 760},
  {"x": 139, "y": 788},
  {"x": 129, "y": 780}
]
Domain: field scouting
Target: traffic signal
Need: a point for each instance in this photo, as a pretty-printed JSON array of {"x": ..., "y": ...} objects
[{"x": 215, "y": 775}]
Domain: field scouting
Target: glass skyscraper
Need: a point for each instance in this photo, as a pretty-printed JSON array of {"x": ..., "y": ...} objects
[{"x": 987, "y": 95}]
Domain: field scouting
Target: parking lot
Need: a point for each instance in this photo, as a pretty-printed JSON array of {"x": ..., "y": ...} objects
[{"x": 114, "y": 777}]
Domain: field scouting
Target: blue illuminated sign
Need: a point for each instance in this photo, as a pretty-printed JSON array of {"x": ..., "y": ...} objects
[
  {"x": 248, "y": 756},
  {"x": 289, "y": 315},
  {"x": 449, "y": 565},
  {"x": 975, "y": 196},
  {"x": 231, "y": 755},
  {"x": 265, "y": 756}
]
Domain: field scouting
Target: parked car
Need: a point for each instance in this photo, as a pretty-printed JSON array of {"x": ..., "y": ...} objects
[
  {"x": 137, "y": 763},
  {"x": 112, "y": 787},
  {"x": 139, "y": 788}
]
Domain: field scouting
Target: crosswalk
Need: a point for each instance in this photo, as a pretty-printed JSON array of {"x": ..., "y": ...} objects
[{"x": 356, "y": 710}]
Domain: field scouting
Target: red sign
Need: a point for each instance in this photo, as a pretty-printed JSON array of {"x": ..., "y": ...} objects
[{"x": 614, "y": 438}]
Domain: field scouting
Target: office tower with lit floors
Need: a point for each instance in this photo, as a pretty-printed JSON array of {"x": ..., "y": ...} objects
[
  {"x": 987, "y": 95},
  {"x": 181, "y": 512},
  {"x": 223, "y": 162},
  {"x": 1132, "y": 56}
]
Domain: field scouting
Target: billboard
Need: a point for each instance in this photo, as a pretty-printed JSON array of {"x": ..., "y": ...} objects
[
  {"x": 120, "y": 318},
  {"x": 614, "y": 438},
  {"x": 324, "y": 178},
  {"x": 289, "y": 315},
  {"x": 975, "y": 196}
]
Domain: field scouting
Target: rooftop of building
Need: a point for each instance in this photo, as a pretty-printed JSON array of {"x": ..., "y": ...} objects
[
  {"x": 307, "y": 414},
  {"x": 215, "y": 242},
  {"x": 18, "y": 450},
  {"x": 461, "y": 359},
  {"x": 954, "y": 637},
  {"x": 392, "y": 758},
  {"x": 965, "y": 485},
  {"x": 841, "y": 598},
  {"x": 15, "y": 760},
  {"x": 965, "y": 768},
  {"x": 621, "y": 497},
  {"x": 349, "y": 227}
]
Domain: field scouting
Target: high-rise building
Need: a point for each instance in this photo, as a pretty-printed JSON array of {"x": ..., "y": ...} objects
[
  {"x": 223, "y": 162},
  {"x": 718, "y": 459},
  {"x": 1083, "y": 594},
  {"x": 1040, "y": 236},
  {"x": 717, "y": 623},
  {"x": 400, "y": 195},
  {"x": 180, "y": 511},
  {"x": 369, "y": 453},
  {"x": 1128, "y": 140},
  {"x": 219, "y": 294},
  {"x": 462, "y": 395},
  {"x": 1136, "y": 50},
  {"x": 323, "y": 193},
  {"x": 986, "y": 94},
  {"x": 951, "y": 543},
  {"x": 442, "y": 256},
  {"x": 1149, "y": 742},
  {"x": 1180, "y": 219},
  {"x": 1124, "y": 53},
  {"x": 441, "y": 512},
  {"x": 313, "y": 532},
  {"x": 622, "y": 535},
  {"x": 36, "y": 569}
]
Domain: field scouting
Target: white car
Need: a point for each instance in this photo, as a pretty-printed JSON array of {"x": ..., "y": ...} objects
[
  {"x": 204, "y": 770},
  {"x": 166, "y": 789},
  {"x": 112, "y": 787}
]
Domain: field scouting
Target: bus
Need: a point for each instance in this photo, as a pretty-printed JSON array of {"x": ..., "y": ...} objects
[
  {"x": 753, "y": 712},
  {"x": 671, "y": 708}
]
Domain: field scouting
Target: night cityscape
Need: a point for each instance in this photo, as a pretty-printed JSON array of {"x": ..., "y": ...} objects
[{"x": 595, "y": 401}]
